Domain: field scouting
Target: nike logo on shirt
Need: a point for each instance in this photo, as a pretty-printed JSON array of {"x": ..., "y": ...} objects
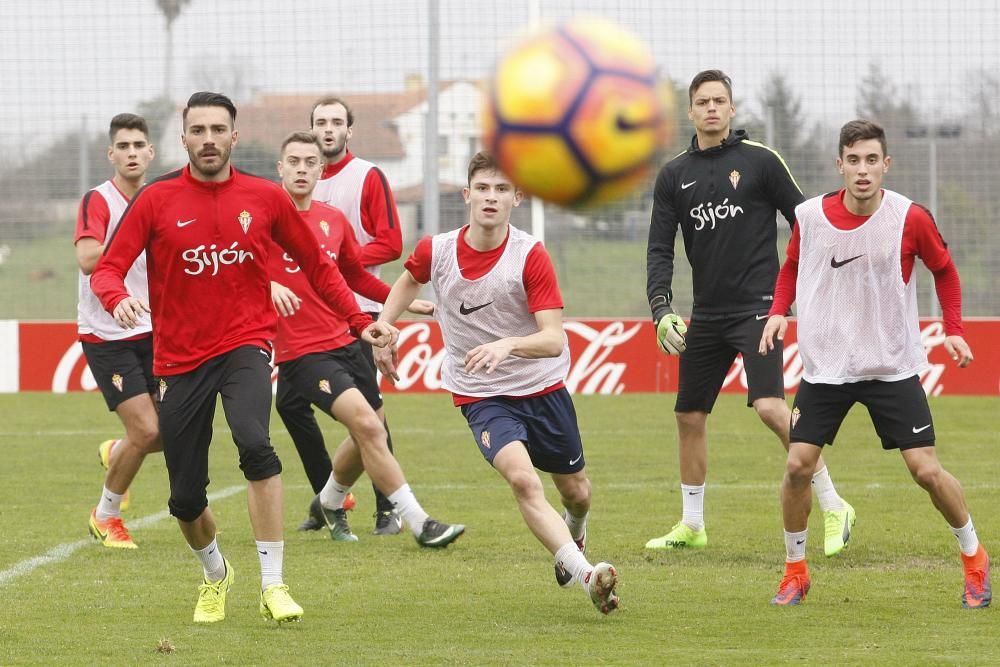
[
  {"x": 185, "y": 223},
  {"x": 760, "y": 317},
  {"x": 471, "y": 309},
  {"x": 836, "y": 265},
  {"x": 685, "y": 186}
]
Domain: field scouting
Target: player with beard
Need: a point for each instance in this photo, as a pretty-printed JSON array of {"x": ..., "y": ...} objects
[
  {"x": 361, "y": 192},
  {"x": 321, "y": 364},
  {"x": 207, "y": 230}
]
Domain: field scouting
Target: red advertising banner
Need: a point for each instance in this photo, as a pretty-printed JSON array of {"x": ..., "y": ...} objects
[{"x": 609, "y": 356}]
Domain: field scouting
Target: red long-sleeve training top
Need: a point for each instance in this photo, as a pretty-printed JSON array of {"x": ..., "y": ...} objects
[
  {"x": 315, "y": 327},
  {"x": 207, "y": 248}
]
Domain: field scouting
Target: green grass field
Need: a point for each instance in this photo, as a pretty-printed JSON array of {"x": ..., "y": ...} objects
[
  {"x": 891, "y": 598},
  {"x": 39, "y": 280}
]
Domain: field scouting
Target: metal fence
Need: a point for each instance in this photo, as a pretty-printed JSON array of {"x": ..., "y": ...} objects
[{"x": 800, "y": 70}]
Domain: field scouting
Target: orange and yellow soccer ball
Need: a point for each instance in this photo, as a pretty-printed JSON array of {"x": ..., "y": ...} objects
[{"x": 575, "y": 113}]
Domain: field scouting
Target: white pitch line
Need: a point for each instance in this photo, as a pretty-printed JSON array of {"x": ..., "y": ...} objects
[{"x": 63, "y": 551}]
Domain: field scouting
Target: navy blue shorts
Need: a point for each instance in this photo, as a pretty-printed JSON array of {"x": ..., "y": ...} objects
[{"x": 546, "y": 425}]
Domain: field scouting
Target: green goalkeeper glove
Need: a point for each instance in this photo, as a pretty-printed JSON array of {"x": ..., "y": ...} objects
[{"x": 670, "y": 332}]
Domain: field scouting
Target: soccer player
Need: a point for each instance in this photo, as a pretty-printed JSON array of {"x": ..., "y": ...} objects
[
  {"x": 361, "y": 192},
  {"x": 121, "y": 360},
  {"x": 850, "y": 265},
  {"x": 506, "y": 356},
  {"x": 320, "y": 363},
  {"x": 207, "y": 231},
  {"x": 723, "y": 193}
]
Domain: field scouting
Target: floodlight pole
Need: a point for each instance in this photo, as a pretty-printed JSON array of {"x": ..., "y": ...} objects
[
  {"x": 537, "y": 205},
  {"x": 82, "y": 162},
  {"x": 431, "y": 185}
]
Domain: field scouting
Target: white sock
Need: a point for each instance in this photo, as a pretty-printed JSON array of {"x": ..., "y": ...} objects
[
  {"x": 577, "y": 524},
  {"x": 795, "y": 546},
  {"x": 271, "y": 557},
  {"x": 332, "y": 495},
  {"x": 406, "y": 505},
  {"x": 968, "y": 541},
  {"x": 110, "y": 505},
  {"x": 693, "y": 503},
  {"x": 574, "y": 562},
  {"x": 211, "y": 561},
  {"x": 825, "y": 493}
]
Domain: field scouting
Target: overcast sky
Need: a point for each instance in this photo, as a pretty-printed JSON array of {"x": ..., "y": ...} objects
[{"x": 62, "y": 59}]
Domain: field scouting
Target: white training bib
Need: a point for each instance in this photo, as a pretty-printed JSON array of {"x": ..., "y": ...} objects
[
  {"x": 343, "y": 192},
  {"x": 857, "y": 318},
  {"x": 494, "y": 306},
  {"x": 91, "y": 318}
]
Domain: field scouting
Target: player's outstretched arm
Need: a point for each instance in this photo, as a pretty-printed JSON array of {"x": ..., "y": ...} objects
[
  {"x": 776, "y": 325},
  {"x": 401, "y": 296},
  {"x": 548, "y": 341}
]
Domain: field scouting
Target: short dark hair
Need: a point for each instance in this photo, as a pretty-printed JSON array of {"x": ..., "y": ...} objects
[
  {"x": 705, "y": 77},
  {"x": 301, "y": 137},
  {"x": 208, "y": 99},
  {"x": 482, "y": 161},
  {"x": 127, "y": 121},
  {"x": 331, "y": 99},
  {"x": 859, "y": 130}
]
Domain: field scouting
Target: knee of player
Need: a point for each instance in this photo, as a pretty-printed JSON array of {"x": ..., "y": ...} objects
[
  {"x": 187, "y": 507},
  {"x": 368, "y": 430},
  {"x": 575, "y": 490},
  {"x": 928, "y": 475},
  {"x": 525, "y": 483},
  {"x": 773, "y": 411},
  {"x": 691, "y": 421},
  {"x": 259, "y": 462},
  {"x": 146, "y": 436},
  {"x": 800, "y": 468}
]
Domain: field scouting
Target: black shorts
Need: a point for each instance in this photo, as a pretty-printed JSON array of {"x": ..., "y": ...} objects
[
  {"x": 242, "y": 377},
  {"x": 321, "y": 377},
  {"x": 712, "y": 346},
  {"x": 899, "y": 411},
  {"x": 546, "y": 425},
  {"x": 122, "y": 368}
]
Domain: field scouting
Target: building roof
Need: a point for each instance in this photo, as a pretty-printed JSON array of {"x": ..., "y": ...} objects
[{"x": 270, "y": 117}]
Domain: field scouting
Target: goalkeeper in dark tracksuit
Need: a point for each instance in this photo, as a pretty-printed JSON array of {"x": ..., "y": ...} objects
[{"x": 723, "y": 193}]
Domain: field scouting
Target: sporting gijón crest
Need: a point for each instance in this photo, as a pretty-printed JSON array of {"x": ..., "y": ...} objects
[{"x": 245, "y": 219}]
